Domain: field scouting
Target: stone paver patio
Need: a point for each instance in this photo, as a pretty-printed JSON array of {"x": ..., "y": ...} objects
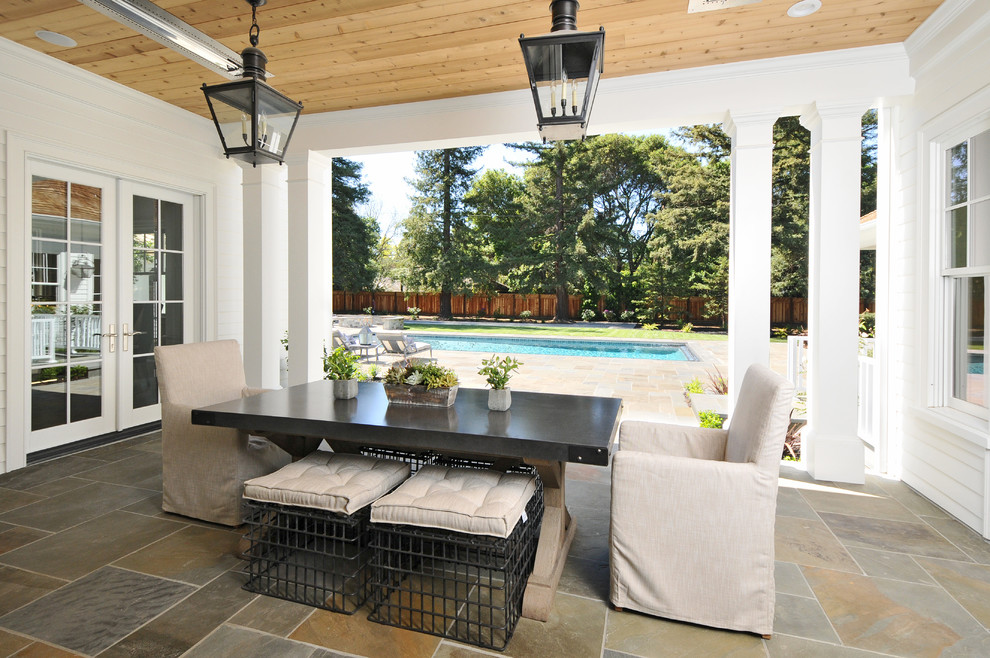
[{"x": 90, "y": 565}]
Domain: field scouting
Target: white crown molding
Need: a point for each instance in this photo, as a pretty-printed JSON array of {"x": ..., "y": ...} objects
[
  {"x": 16, "y": 59},
  {"x": 943, "y": 16},
  {"x": 774, "y": 66},
  {"x": 928, "y": 47},
  {"x": 521, "y": 100}
]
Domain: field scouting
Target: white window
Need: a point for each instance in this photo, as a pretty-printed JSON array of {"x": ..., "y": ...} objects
[{"x": 965, "y": 268}]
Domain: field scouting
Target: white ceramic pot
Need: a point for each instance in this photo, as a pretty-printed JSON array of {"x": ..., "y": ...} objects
[
  {"x": 499, "y": 399},
  {"x": 345, "y": 389}
]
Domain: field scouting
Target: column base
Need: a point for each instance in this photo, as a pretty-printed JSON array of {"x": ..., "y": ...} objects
[{"x": 836, "y": 458}]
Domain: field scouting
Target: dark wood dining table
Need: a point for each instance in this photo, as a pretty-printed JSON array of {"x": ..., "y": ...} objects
[{"x": 544, "y": 430}]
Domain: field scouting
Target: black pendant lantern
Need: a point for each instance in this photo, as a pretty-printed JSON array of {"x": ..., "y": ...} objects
[
  {"x": 564, "y": 67},
  {"x": 255, "y": 122}
]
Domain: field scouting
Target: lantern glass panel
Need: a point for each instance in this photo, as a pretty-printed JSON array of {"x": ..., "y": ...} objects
[
  {"x": 276, "y": 118},
  {"x": 561, "y": 69},
  {"x": 232, "y": 108}
]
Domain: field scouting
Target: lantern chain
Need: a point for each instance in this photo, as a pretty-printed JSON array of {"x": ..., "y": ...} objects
[{"x": 255, "y": 31}]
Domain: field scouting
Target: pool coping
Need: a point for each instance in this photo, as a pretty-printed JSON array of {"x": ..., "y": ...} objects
[{"x": 683, "y": 344}]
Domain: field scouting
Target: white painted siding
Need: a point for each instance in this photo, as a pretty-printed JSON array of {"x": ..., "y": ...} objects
[
  {"x": 944, "y": 461},
  {"x": 53, "y": 111}
]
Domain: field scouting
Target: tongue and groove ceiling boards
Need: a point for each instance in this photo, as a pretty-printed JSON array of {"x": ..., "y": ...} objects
[{"x": 345, "y": 54}]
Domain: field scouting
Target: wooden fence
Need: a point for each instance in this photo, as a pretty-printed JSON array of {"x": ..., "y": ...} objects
[
  {"x": 783, "y": 310},
  {"x": 468, "y": 306}
]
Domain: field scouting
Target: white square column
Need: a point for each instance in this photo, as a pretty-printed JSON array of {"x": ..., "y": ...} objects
[
  {"x": 310, "y": 267},
  {"x": 830, "y": 444},
  {"x": 265, "y": 220},
  {"x": 750, "y": 203}
]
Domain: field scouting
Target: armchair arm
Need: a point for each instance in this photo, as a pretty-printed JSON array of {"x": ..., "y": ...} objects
[{"x": 674, "y": 440}]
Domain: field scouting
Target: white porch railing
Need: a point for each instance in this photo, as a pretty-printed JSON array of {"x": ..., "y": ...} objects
[
  {"x": 797, "y": 372},
  {"x": 48, "y": 338}
]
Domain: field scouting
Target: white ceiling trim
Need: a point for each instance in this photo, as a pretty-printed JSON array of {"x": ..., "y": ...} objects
[{"x": 630, "y": 104}]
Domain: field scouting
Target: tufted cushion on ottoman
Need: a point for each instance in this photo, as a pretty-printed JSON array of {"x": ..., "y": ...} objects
[
  {"x": 477, "y": 502},
  {"x": 335, "y": 482}
]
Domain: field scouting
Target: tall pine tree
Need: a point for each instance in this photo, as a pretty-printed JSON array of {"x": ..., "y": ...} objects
[
  {"x": 354, "y": 237},
  {"x": 439, "y": 243}
]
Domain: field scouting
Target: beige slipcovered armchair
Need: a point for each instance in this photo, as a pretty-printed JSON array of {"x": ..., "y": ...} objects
[
  {"x": 693, "y": 511},
  {"x": 204, "y": 468}
]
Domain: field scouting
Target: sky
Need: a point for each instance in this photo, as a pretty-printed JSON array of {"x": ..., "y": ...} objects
[{"x": 385, "y": 175}]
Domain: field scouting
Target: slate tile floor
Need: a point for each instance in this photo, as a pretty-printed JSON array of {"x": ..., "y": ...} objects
[{"x": 90, "y": 565}]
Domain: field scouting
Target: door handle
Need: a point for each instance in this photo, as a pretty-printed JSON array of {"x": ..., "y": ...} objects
[
  {"x": 112, "y": 335},
  {"x": 125, "y": 334}
]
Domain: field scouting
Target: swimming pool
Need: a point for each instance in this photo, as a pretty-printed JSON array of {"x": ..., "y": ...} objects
[{"x": 622, "y": 349}]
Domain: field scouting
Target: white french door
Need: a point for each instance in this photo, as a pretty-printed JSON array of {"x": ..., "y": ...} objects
[
  {"x": 109, "y": 274},
  {"x": 155, "y": 291}
]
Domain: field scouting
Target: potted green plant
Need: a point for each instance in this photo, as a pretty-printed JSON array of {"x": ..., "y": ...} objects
[
  {"x": 426, "y": 384},
  {"x": 498, "y": 371},
  {"x": 340, "y": 366}
]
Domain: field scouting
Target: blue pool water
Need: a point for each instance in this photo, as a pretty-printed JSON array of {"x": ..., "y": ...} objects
[{"x": 563, "y": 346}]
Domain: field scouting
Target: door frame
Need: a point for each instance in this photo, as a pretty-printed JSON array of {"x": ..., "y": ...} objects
[{"x": 22, "y": 151}]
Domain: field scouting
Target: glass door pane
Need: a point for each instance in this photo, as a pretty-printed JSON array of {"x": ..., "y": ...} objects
[
  {"x": 66, "y": 265},
  {"x": 156, "y": 293}
]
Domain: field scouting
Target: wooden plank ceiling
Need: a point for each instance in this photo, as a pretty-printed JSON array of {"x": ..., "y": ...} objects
[{"x": 343, "y": 54}]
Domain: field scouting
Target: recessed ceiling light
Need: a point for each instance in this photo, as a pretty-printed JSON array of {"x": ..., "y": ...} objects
[
  {"x": 804, "y": 8},
  {"x": 56, "y": 39}
]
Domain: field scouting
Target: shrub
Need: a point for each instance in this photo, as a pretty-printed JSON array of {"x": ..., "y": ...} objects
[
  {"x": 868, "y": 325},
  {"x": 525, "y": 315},
  {"x": 627, "y": 315},
  {"x": 717, "y": 383},
  {"x": 608, "y": 315},
  {"x": 779, "y": 332},
  {"x": 372, "y": 374},
  {"x": 650, "y": 326},
  {"x": 711, "y": 419},
  {"x": 78, "y": 372},
  {"x": 414, "y": 312},
  {"x": 588, "y": 315},
  {"x": 370, "y": 310},
  {"x": 694, "y": 386},
  {"x": 496, "y": 314},
  {"x": 687, "y": 327}
]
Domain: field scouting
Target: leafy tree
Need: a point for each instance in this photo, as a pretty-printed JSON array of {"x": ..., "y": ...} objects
[
  {"x": 559, "y": 235},
  {"x": 627, "y": 189},
  {"x": 439, "y": 243},
  {"x": 868, "y": 203},
  {"x": 789, "y": 216},
  {"x": 354, "y": 237},
  {"x": 690, "y": 243},
  {"x": 495, "y": 203}
]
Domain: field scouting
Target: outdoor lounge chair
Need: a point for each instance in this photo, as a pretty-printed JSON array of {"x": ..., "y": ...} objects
[
  {"x": 693, "y": 511},
  {"x": 204, "y": 468},
  {"x": 340, "y": 339},
  {"x": 396, "y": 343}
]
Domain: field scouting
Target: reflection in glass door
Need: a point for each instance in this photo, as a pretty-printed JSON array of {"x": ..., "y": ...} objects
[
  {"x": 69, "y": 394},
  {"x": 158, "y": 291}
]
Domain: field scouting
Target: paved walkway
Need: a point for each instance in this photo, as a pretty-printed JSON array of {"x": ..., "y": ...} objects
[{"x": 649, "y": 389}]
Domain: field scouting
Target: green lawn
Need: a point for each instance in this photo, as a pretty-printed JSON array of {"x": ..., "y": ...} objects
[{"x": 577, "y": 330}]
